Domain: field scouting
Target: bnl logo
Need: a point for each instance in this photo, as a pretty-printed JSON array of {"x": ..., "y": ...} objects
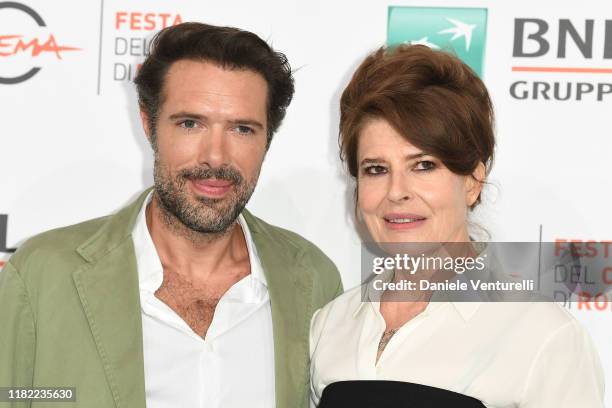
[
  {"x": 534, "y": 32},
  {"x": 460, "y": 30}
]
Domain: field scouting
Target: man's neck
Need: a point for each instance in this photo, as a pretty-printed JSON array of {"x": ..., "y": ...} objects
[{"x": 196, "y": 255}]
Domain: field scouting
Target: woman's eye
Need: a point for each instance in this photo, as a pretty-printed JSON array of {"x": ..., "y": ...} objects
[
  {"x": 244, "y": 130},
  {"x": 188, "y": 124},
  {"x": 375, "y": 170},
  {"x": 425, "y": 165}
]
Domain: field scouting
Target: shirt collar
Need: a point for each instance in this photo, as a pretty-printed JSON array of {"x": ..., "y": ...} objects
[
  {"x": 369, "y": 295},
  {"x": 150, "y": 270},
  {"x": 256, "y": 268},
  {"x": 465, "y": 309}
]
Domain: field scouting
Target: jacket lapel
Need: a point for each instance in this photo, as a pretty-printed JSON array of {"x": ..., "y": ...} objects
[
  {"x": 290, "y": 288},
  {"x": 108, "y": 289}
]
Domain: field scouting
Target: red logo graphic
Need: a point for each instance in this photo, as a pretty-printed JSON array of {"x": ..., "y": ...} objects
[
  {"x": 595, "y": 276},
  {"x": 145, "y": 21},
  {"x": 13, "y": 44}
]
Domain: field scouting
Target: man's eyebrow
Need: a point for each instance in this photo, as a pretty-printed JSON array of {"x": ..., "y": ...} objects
[
  {"x": 413, "y": 156},
  {"x": 197, "y": 116},
  {"x": 248, "y": 122},
  {"x": 187, "y": 115}
]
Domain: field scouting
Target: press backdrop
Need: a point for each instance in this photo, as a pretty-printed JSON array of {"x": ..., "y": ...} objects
[{"x": 72, "y": 148}]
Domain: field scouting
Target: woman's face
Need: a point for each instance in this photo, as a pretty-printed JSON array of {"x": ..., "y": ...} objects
[{"x": 405, "y": 195}]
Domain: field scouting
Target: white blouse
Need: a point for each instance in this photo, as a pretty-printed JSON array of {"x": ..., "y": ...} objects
[{"x": 504, "y": 354}]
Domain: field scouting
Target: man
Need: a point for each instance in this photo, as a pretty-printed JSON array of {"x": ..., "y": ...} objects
[{"x": 183, "y": 298}]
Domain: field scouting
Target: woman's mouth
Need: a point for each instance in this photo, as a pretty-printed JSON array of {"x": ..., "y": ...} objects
[{"x": 403, "y": 221}]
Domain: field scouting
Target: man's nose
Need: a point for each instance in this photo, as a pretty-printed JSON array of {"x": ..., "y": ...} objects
[{"x": 213, "y": 148}]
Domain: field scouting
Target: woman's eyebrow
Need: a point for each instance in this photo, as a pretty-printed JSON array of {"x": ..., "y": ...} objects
[
  {"x": 412, "y": 156},
  {"x": 416, "y": 155},
  {"x": 368, "y": 160}
]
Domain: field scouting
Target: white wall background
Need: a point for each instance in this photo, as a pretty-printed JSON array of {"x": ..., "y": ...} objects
[{"x": 69, "y": 153}]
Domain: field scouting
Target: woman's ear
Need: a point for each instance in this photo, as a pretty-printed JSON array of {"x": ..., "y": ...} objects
[{"x": 474, "y": 184}]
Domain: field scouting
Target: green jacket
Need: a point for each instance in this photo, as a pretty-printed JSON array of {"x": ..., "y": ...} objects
[{"x": 70, "y": 311}]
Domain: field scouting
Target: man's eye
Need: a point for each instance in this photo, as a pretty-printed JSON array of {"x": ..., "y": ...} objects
[
  {"x": 374, "y": 170},
  {"x": 188, "y": 124},
  {"x": 425, "y": 165},
  {"x": 244, "y": 130}
]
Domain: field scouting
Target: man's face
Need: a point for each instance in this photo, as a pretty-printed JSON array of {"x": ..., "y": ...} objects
[{"x": 210, "y": 143}]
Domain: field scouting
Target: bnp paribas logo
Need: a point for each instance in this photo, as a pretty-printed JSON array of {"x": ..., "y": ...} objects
[{"x": 462, "y": 30}]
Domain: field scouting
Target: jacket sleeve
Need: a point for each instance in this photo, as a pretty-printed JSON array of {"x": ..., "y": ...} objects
[
  {"x": 331, "y": 283},
  {"x": 17, "y": 334},
  {"x": 339, "y": 289}
]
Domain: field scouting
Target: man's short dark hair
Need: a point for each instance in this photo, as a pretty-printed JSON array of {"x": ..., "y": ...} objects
[{"x": 227, "y": 47}]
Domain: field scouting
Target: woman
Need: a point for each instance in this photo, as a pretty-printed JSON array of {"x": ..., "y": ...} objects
[{"x": 416, "y": 133}]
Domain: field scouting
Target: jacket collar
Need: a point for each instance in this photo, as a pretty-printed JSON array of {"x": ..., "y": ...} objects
[
  {"x": 290, "y": 283},
  {"x": 108, "y": 288}
]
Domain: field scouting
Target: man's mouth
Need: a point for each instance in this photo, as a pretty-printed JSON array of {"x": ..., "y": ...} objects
[{"x": 213, "y": 188}]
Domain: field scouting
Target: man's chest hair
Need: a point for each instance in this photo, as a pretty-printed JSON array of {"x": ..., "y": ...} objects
[{"x": 195, "y": 303}]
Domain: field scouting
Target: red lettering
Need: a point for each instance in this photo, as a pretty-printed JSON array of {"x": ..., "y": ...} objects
[
  {"x": 575, "y": 245},
  {"x": 49, "y": 46},
  {"x": 135, "y": 21},
  {"x": 145, "y": 21},
  {"x": 150, "y": 21},
  {"x": 559, "y": 247},
  {"x": 583, "y": 300},
  {"x": 601, "y": 302},
  {"x": 591, "y": 247},
  {"x": 606, "y": 245},
  {"x": 23, "y": 46},
  {"x": 120, "y": 18},
  {"x": 606, "y": 275},
  {"x": 164, "y": 19},
  {"x": 7, "y": 44}
]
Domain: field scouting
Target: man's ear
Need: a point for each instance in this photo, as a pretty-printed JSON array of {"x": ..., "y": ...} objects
[
  {"x": 474, "y": 184},
  {"x": 145, "y": 124}
]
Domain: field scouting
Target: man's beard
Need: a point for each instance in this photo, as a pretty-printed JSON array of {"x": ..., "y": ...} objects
[{"x": 201, "y": 214}]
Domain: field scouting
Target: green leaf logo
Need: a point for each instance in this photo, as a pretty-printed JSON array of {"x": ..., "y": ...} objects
[{"x": 458, "y": 30}]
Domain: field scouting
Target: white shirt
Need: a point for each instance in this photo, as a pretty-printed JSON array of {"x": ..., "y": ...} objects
[
  {"x": 233, "y": 366},
  {"x": 532, "y": 355}
]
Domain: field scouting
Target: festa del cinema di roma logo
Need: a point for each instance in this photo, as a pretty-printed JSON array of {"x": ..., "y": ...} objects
[
  {"x": 462, "y": 30},
  {"x": 133, "y": 35},
  {"x": 15, "y": 44}
]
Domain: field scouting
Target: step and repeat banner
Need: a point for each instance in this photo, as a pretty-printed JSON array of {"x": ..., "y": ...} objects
[{"x": 72, "y": 147}]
